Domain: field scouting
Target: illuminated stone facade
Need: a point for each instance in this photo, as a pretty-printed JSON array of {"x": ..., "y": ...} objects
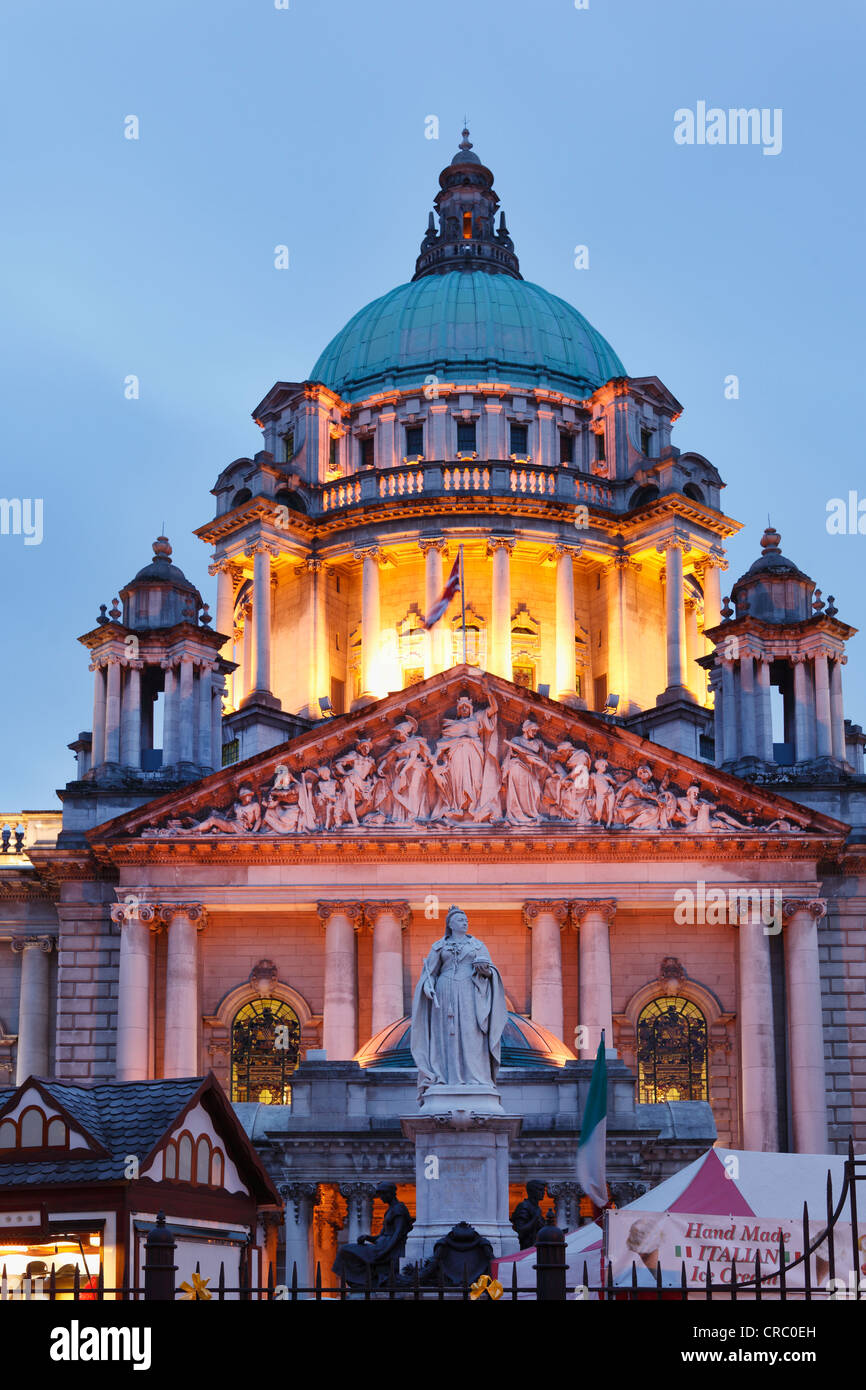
[{"x": 557, "y": 766}]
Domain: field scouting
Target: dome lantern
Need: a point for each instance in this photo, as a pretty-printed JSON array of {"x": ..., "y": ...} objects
[{"x": 467, "y": 238}]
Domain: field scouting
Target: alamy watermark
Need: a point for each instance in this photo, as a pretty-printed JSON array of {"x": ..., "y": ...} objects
[
  {"x": 702, "y": 906},
  {"x": 713, "y": 125},
  {"x": 22, "y": 516}
]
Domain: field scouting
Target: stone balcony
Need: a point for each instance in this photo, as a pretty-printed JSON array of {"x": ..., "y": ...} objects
[{"x": 500, "y": 478}]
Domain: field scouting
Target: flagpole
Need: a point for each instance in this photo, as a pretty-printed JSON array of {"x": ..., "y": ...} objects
[{"x": 463, "y": 603}]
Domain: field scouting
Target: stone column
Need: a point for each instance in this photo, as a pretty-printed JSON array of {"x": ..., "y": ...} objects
[
  {"x": 805, "y": 1024},
  {"x": 136, "y": 924},
  {"x": 618, "y": 645},
  {"x": 729, "y": 711},
  {"x": 187, "y": 712},
  {"x": 170, "y": 717},
  {"x": 340, "y": 1028},
  {"x": 500, "y": 547},
  {"x": 300, "y": 1199},
  {"x": 711, "y": 584},
  {"x": 564, "y": 687},
  {"x": 757, "y": 1045},
  {"x": 34, "y": 1006},
  {"x": 765, "y": 711},
  {"x": 225, "y": 612},
  {"x": 837, "y": 712},
  {"x": 594, "y": 981},
  {"x": 388, "y": 922},
  {"x": 566, "y": 1196},
  {"x": 675, "y": 618},
  {"x": 216, "y": 683},
  {"x": 97, "y": 754},
  {"x": 804, "y": 723},
  {"x": 204, "y": 753},
  {"x": 247, "y": 653},
  {"x": 694, "y": 674},
  {"x": 748, "y": 708},
  {"x": 822, "y": 706},
  {"x": 261, "y": 553},
  {"x": 318, "y": 666},
  {"x": 545, "y": 919},
  {"x": 130, "y": 730},
  {"x": 371, "y": 641},
  {"x": 436, "y": 655},
  {"x": 184, "y": 921},
  {"x": 359, "y": 1205},
  {"x": 112, "y": 711}
]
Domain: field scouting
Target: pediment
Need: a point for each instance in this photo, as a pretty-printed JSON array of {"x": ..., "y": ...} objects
[{"x": 469, "y": 753}]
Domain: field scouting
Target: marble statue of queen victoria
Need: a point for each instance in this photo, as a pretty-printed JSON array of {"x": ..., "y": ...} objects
[{"x": 458, "y": 1013}]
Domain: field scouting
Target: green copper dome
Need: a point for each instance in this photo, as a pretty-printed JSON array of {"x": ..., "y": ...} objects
[{"x": 467, "y": 325}]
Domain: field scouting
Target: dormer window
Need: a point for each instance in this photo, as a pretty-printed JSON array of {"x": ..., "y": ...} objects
[
  {"x": 519, "y": 439},
  {"x": 414, "y": 441},
  {"x": 467, "y": 226},
  {"x": 34, "y": 1130}
]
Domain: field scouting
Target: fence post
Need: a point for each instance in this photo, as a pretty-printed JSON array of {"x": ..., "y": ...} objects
[
  {"x": 550, "y": 1271},
  {"x": 159, "y": 1266}
]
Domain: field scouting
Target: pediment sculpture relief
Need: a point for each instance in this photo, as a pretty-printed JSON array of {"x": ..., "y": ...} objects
[{"x": 471, "y": 768}]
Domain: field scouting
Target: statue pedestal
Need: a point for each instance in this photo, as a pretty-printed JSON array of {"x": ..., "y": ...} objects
[{"x": 461, "y": 1167}]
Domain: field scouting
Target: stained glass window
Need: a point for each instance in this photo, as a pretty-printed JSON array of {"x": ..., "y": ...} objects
[
  {"x": 266, "y": 1042},
  {"x": 672, "y": 1051}
]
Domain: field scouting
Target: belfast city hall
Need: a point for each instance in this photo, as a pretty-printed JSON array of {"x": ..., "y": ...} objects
[{"x": 464, "y": 633}]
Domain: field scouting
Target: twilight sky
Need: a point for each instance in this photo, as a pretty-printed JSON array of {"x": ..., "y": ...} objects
[{"x": 306, "y": 127}]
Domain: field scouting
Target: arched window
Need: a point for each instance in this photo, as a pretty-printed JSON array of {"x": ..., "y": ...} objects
[
  {"x": 643, "y": 495},
  {"x": 476, "y": 639},
  {"x": 56, "y": 1133},
  {"x": 216, "y": 1176},
  {"x": 202, "y": 1161},
  {"x": 410, "y": 646},
  {"x": 266, "y": 1045},
  {"x": 692, "y": 490},
  {"x": 671, "y": 1051},
  {"x": 32, "y": 1124},
  {"x": 244, "y": 495},
  {"x": 8, "y": 1135},
  {"x": 170, "y": 1161},
  {"x": 184, "y": 1158}
]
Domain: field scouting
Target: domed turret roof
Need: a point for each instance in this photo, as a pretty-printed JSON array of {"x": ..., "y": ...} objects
[
  {"x": 524, "y": 1044},
  {"x": 774, "y": 589},
  {"x": 160, "y": 595},
  {"x": 468, "y": 314}
]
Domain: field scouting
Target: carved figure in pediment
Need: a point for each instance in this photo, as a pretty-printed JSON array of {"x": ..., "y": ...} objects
[
  {"x": 575, "y": 791},
  {"x": 700, "y": 815},
  {"x": 286, "y": 807},
  {"x": 356, "y": 770},
  {"x": 324, "y": 790},
  {"x": 466, "y": 768},
  {"x": 525, "y": 772},
  {"x": 638, "y": 804},
  {"x": 603, "y": 793},
  {"x": 407, "y": 789},
  {"x": 244, "y": 818}
]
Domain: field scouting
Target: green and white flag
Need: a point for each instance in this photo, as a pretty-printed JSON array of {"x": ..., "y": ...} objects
[{"x": 593, "y": 1134}]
